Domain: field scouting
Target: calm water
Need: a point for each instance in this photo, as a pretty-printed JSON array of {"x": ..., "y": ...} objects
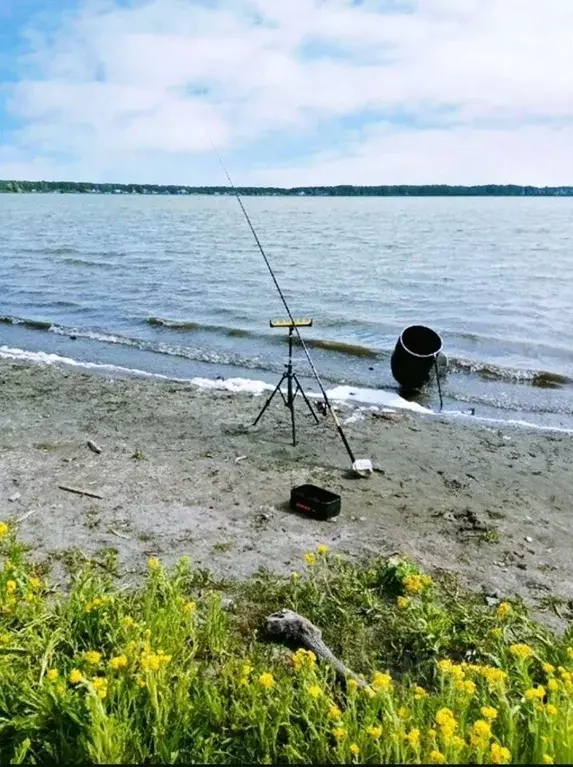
[{"x": 175, "y": 285}]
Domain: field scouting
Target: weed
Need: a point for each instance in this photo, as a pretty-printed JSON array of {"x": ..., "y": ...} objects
[{"x": 164, "y": 674}]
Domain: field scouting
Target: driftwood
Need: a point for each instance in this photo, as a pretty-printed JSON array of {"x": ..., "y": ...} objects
[
  {"x": 93, "y": 447},
  {"x": 77, "y": 491},
  {"x": 294, "y": 629}
]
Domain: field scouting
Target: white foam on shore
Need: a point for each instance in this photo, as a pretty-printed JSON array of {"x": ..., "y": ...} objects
[
  {"x": 234, "y": 385},
  {"x": 361, "y": 398},
  {"x": 43, "y": 358},
  {"x": 378, "y": 397}
]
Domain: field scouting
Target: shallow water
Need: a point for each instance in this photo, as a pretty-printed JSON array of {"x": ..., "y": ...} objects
[{"x": 175, "y": 286}]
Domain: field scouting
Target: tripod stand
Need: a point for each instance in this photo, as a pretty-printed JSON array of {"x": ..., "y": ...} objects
[{"x": 291, "y": 379}]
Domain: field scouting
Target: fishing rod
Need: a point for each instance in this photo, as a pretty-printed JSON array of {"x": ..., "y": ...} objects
[{"x": 362, "y": 466}]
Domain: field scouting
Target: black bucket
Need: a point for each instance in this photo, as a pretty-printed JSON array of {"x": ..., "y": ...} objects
[{"x": 414, "y": 357}]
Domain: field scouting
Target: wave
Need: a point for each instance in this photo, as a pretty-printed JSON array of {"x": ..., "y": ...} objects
[
  {"x": 342, "y": 347},
  {"x": 486, "y": 371},
  {"x": 33, "y": 324},
  {"x": 489, "y": 372},
  {"x": 78, "y": 261},
  {"x": 184, "y": 325},
  {"x": 352, "y": 350}
]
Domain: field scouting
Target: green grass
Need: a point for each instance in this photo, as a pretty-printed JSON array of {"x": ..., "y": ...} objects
[{"x": 164, "y": 674}]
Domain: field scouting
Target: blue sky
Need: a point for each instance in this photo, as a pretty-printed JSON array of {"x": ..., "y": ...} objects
[{"x": 291, "y": 91}]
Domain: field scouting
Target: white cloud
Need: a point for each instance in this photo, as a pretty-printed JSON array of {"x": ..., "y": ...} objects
[{"x": 148, "y": 85}]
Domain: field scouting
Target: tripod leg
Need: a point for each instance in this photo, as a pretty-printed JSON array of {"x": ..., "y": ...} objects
[
  {"x": 268, "y": 402},
  {"x": 301, "y": 390},
  {"x": 291, "y": 406}
]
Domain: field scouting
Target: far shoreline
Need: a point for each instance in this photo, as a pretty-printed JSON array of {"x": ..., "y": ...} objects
[{"x": 340, "y": 190}]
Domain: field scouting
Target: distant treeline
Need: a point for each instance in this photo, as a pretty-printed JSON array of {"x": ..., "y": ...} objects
[{"x": 345, "y": 190}]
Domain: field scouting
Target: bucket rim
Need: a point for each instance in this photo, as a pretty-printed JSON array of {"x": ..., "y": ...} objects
[{"x": 421, "y": 356}]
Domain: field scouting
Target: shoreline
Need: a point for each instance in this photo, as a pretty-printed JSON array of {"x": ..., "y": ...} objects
[{"x": 491, "y": 504}]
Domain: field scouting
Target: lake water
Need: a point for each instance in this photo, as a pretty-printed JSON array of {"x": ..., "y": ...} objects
[{"x": 176, "y": 286}]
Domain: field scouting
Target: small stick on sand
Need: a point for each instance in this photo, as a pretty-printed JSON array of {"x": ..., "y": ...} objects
[
  {"x": 26, "y": 515},
  {"x": 95, "y": 448},
  {"x": 120, "y": 535},
  {"x": 81, "y": 492}
]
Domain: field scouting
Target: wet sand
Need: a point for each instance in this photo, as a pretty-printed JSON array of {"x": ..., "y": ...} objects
[{"x": 183, "y": 472}]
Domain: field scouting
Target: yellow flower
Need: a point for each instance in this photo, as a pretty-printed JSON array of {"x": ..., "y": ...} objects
[
  {"x": 322, "y": 549},
  {"x": 570, "y": 653},
  {"x": 246, "y": 670},
  {"x": 266, "y": 680},
  {"x": 93, "y": 605},
  {"x": 444, "y": 716},
  {"x": 153, "y": 563},
  {"x": 35, "y": 583},
  {"x": 419, "y": 693},
  {"x": 503, "y": 609},
  {"x": 481, "y": 733},
  {"x": 402, "y": 602},
  {"x": 436, "y": 757},
  {"x": 535, "y": 693},
  {"x": 60, "y": 689},
  {"x": 413, "y": 584},
  {"x": 189, "y": 608},
  {"x": 10, "y": 587},
  {"x": 493, "y": 675},
  {"x": 310, "y": 559},
  {"x": 447, "y": 667},
  {"x": 339, "y": 733},
  {"x": 447, "y": 722},
  {"x": 551, "y": 709},
  {"x": 128, "y": 622},
  {"x": 3, "y": 530},
  {"x": 499, "y": 754},
  {"x": 314, "y": 691},
  {"x": 4, "y": 639},
  {"x": 151, "y": 661},
  {"x": 75, "y": 676},
  {"x": 92, "y": 657},
  {"x": 120, "y": 661},
  {"x": 334, "y": 712},
  {"x": 295, "y": 576},
  {"x": 521, "y": 651},
  {"x": 488, "y": 713},
  {"x": 413, "y": 737},
  {"x": 100, "y": 686},
  {"x": 354, "y": 750},
  {"x": 303, "y": 658},
  {"x": 456, "y": 742},
  {"x": 466, "y": 687},
  {"x": 547, "y": 759},
  {"x": 352, "y": 685},
  {"x": 382, "y": 682},
  {"x": 496, "y": 632},
  {"x": 553, "y": 685},
  {"x": 53, "y": 674},
  {"x": 403, "y": 712},
  {"x": 374, "y": 732},
  {"x": 426, "y": 579},
  {"x": 548, "y": 668}
]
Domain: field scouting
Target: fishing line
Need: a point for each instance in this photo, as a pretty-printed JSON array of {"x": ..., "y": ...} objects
[{"x": 291, "y": 318}]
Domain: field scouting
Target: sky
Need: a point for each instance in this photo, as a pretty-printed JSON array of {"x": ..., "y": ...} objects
[{"x": 291, "y": 92}]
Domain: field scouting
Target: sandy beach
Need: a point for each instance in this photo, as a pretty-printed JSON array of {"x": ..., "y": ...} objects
[{"x": 183, "y": 472}]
